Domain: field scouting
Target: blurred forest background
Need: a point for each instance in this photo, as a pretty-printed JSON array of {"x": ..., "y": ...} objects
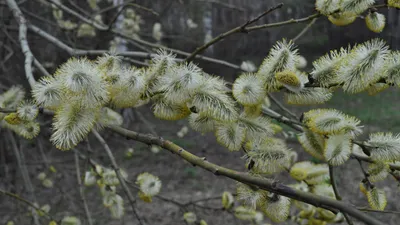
[{"x": 180, "y": 180}]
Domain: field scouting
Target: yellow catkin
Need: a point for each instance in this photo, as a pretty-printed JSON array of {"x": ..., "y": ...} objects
[
  {"x": 342, "y": 19},
  {"x": 288, "y": 77},
  {"x": 13, "y": 119},
  {"x": 394, "y": 3}
]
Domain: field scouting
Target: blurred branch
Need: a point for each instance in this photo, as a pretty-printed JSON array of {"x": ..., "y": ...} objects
[
  {"x": 24, "y": 173},
  {"x": 139, "y": 41},
  {"x": 2, "y": 110},
  {"x": 378, "y": 211},
  {"x": 226, "y": 5},
  {"x": 118, "y": 172},
  {"x": 81, "y": 191},
  {"x": 278, "y": 24},
  {"x": 282, "y": 107},
  {"x": 305, "y": 29},
  {"x": 336, "y": 192},
  {"x": 128, "y": 3},
  {"x": 35, "y": 61},
  {"x": 94, "y": 23},
  {"x": 272, "y": 186},
  {"x": 26, "y": 202},
  {"x": 19, "y": 17},
  {"x": 239, "y": 29}
]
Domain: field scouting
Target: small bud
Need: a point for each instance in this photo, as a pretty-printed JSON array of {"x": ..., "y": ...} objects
[
  {"x": 190, "y": 217},
  {"x": 375, "y": 22},
  {"x": 129, "y": 153},
  {"x": 227, "y": 200},
  {"x": 155, "y": 149},
  {"x": 144, "y": 197},
  {"x": 13, "y": 119},
  {"x": 52, "y": 169},
  {"x": 47, "y": 183},
  {"x": 41, "y": 176},
  {"x": 203, "y": 222},
  {"x": 70, "y": 220},
  {"x": 90, "y": 179}
]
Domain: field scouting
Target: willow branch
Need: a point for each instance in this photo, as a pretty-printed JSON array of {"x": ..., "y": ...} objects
[
  {"x": 283, "y": 23},
  {"x": 272, "y": 186},
  {"x": 19, "y": 17},
  {"x": 300, "y": 127},
  {"x": 26, "y": 202},
  {"x": 239, "y": 29},
  {"x": 282, "y": 107},
  {"x": 305, "y": 29},
  {"x": 336, "y": 191},
  {"x": 81, "y": 191},
  {"x": 378, "y": 211},
  {"x": 118, "y": 172},
  {"x": 2, "y": 110},
  {"x": 24, "y": 173}
]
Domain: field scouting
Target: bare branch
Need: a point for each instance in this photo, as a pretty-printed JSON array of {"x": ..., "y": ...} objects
[
  {"x": 81, "y": 191},
  {"x": 239, "y": 29},
  {"x": 336, "y": 191},
  {"x": 305, "y": 29},
  {"x": 23, "y": 40},
  {"x": 118, "y": 172}
]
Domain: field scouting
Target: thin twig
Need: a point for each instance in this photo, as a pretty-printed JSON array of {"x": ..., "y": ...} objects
[
  {"x": 282, "y": 107},
  {"x": 2, "y": 110},
  {"x": 35, "y": 61},
  {"x": 336, "y": 191},
  {"x": 305, "y": 29},
  {"x": 81, "y": 191},
  {"x": 378, "y": 211},
  {"x": 24, "y": 173},
  {"x": 118, "y": 172},
  {"x": 23, "y": 200},
  {"x": 23, "y": 40},
  {"x": 239, "y": 29},
  {"x": 287, "y": 22}
]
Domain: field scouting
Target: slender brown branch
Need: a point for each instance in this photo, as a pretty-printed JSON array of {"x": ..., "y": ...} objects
[
  {"x": 305, "y": 29},
  {"x": 378, "y": 211},
  {"x": 282, "y": 107},
  {"x": 81, "y": 191},
  {"x": 2, "y": 110},
  {"x": 119, "y": 176},
  {"x": 26, "y": 202},
  {"x": 128, "y": 3},
  {"x": 272, "y": 186},
  {"x": 287, "y": 22},
  {"x": 239, "y": 29},
  {"x": 24, "y": 173},
  {"x": 336, "y": 191}
]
